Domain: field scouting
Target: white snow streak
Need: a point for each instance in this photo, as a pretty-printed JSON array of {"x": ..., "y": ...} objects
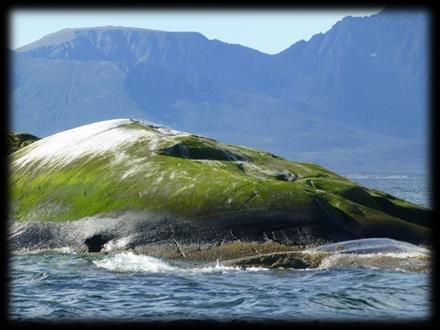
[{"x": 97, "y": 139}]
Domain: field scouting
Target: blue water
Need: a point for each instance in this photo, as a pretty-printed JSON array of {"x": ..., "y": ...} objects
[
  {"x": 414, "y": 188},
  {"x": 62, "y": 285}
]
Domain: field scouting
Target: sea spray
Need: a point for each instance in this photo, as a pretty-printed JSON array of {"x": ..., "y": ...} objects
[{"x": 130, "y": 262}]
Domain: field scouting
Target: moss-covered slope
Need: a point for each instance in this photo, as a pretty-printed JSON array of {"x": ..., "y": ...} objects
[{"x": 125, "y": 165}]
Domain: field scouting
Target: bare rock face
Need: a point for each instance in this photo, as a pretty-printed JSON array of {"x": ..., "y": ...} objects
[
  {"x": 17, "y": 141},
  {"x": 131, "y": 184}
]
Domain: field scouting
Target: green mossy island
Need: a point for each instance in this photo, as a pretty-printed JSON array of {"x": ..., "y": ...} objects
[{"x": 150, "y": 185}]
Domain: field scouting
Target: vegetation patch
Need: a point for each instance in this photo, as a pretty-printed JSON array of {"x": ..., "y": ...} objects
[
  {"x": 196, "y": 148},
  {"x": 193, "y": 177}
]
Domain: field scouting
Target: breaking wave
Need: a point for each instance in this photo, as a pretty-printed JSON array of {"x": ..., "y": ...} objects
[
  {"x": 130, "y": 262},
  {"x": 373, "y": 245},
  {"x": 377, "y": 253}
]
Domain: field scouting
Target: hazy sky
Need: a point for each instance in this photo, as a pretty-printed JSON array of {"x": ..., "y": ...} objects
[{"x": 269, "y": 31}]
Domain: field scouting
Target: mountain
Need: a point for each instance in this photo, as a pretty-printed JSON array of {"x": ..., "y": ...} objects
[
  {"x": 135, "y": 184},
  {"x": 353, "y": 99},
  {"x": 369, "y": 72}
]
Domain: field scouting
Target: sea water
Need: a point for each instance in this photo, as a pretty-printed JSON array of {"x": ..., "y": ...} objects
[{"x": 61, "y": 285}]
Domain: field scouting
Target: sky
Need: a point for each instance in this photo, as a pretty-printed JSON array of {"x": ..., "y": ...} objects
[{"x": 269, "y": 31}]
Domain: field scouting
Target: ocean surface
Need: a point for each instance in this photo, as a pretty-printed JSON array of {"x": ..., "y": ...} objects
[{"x": 61, "y": 285}]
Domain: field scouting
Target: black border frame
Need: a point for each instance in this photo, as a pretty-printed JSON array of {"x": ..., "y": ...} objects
[{"x": 214, "y": 5}]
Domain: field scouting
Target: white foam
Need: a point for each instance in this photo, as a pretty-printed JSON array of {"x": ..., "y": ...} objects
[
  {"x": 220, "y": 268},
  {"x": 130, "y": 262}
]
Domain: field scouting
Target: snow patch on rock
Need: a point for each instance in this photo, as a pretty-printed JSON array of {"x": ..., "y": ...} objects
[{"x": 105, "y": 137}]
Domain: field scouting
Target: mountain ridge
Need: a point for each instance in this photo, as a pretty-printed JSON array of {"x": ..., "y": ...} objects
[{"x": 334, "y": 85}]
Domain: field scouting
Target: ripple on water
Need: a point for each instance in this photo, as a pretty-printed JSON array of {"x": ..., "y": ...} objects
[{"x": 66, "y": 286}]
